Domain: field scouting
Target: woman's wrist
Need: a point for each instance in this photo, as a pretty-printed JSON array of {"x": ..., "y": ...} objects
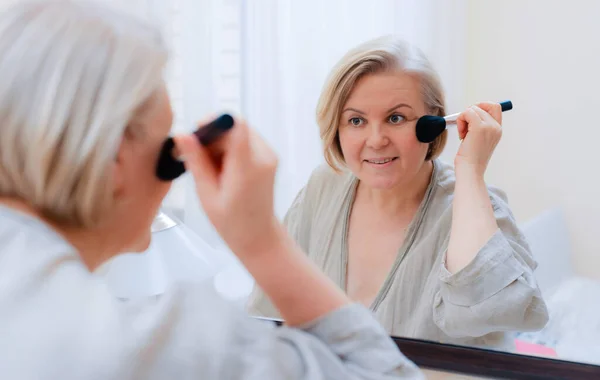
[
  {"x": 294, "y": 284},
  {"x": 270, "y": 240},
  {"x": 469, "y": 172}
]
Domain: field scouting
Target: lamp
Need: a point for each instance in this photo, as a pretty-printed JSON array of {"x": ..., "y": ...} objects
[{"x": 175, "y": 254}]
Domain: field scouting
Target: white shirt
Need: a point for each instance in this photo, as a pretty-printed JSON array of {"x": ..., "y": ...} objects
[{"x": 58, "y": 321}]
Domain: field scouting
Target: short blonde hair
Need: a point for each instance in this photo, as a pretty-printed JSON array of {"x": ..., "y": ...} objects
[
  {"x": 74, "y": 75},
  {"x": 383, "y": 54}
]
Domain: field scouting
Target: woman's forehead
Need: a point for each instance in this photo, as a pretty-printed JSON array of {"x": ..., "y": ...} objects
[{"x": 383, "y": 91}]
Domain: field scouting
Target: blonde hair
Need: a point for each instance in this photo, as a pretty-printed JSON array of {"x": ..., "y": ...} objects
[
  {"x": 73, "y": 77},
  {"x": 379, "y": 55}
]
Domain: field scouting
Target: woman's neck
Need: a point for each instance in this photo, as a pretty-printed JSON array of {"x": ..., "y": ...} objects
[
  {"x": 91, "y": 243},
  {"x": 404, "y": 196}
]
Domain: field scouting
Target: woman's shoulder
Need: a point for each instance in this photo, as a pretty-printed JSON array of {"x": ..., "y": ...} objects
[
  {"x": 326, "y": 175},
  {"x": 325, "y": 183},
  {"x": 21, "y": 233},
  {"x": 324, "y": 191}
]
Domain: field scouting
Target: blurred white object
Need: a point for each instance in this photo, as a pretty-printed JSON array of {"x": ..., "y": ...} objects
[
  {"x": 234, "y": 283},
  {"x": 175, "y": 254}
]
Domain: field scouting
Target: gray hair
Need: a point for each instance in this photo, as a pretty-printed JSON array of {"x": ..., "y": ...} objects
[
  {"x": 382, "y": 54},
  {"x": 73, "y": 76}
]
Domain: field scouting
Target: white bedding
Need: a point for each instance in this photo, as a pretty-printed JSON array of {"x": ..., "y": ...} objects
[
  {"x": 575, "y": 320},
  {"x": 573, "y": 302}
]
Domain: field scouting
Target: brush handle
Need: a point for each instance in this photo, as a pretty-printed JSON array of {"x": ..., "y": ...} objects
[
  {"x": 505, "y": 105},
  {"x": 212, "y": 131},
  {"x": 170, "y": 165}
]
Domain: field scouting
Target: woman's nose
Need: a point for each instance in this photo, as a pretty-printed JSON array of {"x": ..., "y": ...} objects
[{"x": 377, "y": 138}]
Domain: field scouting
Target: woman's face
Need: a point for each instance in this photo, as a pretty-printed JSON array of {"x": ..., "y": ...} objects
[
  {"x": 377, "y": 130},
  {"x": 138, "y": 192}
]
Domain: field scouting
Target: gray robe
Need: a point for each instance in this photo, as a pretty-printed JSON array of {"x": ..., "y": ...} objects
[{"x": 477, "y": 306}]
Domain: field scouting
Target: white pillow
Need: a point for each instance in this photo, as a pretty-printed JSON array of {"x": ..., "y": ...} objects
[{"x": 548, "y": 237}]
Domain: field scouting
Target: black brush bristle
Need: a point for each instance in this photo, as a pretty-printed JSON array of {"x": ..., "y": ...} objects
[
  {"x": 168, "y": 168},
  {"x": 429, "y": 128}
]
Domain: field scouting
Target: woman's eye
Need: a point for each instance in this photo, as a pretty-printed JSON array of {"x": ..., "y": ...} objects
[
  {"x": 396, "y": 119},
  {"x": 356, "y": 121}
]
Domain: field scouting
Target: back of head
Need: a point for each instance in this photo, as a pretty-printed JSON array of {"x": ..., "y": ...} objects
[
  {"x": 73, "y": 76},
  {"x": 379, "y": 55}
]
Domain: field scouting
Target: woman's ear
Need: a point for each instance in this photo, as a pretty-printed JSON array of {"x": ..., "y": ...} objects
[{"x": 118, "y": 169}]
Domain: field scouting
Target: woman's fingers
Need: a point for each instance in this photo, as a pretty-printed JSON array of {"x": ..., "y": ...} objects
[
  {"x": 466, "y": 120},
  {"x": 491, "y": 108},
  {"x": 199, "y": 162}
]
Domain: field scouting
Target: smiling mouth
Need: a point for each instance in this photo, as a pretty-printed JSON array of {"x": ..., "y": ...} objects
[{"x": 381, "y": 161}]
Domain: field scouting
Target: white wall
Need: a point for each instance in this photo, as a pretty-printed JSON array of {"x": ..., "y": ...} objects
[{"x": 545, "y": 57}]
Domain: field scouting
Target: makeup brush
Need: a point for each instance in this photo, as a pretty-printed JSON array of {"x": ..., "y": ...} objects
[
  {"x": 169, "y": 166},
  {"x": 430, "y": 127}
]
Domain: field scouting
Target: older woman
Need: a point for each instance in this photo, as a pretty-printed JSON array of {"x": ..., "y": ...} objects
[
  {"x": 84, "y": 114},
  {"x": 433, "y": 251}
]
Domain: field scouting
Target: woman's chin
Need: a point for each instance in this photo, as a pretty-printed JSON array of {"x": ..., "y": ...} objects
[{"x": 380, "y": 183}]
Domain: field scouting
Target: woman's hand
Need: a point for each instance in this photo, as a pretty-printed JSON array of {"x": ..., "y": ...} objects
[
  {"x": 479, "y": 128},
  {"x": 237, "y": 188}
]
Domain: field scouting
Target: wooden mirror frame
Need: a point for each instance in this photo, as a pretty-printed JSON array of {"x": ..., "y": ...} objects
[{"x": 487, "y": 363}]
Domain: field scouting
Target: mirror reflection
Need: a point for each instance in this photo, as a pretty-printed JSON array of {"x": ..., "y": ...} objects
[
  {"x": 394, "y": 226},
  {"x": 485, "y": 236}
]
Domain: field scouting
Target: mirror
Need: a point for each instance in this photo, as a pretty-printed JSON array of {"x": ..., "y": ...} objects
[
  {"x": 543, "y": 164},
  {"x": 270, "y": 62}
]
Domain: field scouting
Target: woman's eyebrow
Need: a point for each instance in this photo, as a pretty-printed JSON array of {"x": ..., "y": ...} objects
[
  {"x": 353, "y": 110},
  {"x": 399, "y": 106}
]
